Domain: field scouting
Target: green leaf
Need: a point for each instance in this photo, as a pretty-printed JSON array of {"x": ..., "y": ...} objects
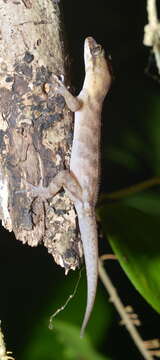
[
  {"x": 102, "y": 313},
  {"x": 123, "y": 157},
  {"x": 73, "y": 346},
  {"x": 153, "y": 128},
  {"x": 63, "y": 342},
  {"x": 135, "y": 239},
  {"x": 147, "y": 201}
]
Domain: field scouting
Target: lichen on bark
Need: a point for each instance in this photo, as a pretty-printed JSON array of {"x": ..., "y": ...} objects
[{"x": 35, "y": 129}]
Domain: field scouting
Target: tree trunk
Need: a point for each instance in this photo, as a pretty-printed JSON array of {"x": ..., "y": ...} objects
[{"x": 35, "y": 128}]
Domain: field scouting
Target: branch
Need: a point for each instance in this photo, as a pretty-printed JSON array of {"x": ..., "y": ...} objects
[
  {"x": 36, "y": 129},
  {"x": 123, "y": 314},
  {"x": 132, "y": 189}
]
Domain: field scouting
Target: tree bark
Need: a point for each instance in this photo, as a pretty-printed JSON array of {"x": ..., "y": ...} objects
[{"x": 35, "y": 128}]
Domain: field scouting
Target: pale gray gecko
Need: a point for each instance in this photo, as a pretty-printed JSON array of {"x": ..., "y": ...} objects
[{"x": 82, "y": 180}]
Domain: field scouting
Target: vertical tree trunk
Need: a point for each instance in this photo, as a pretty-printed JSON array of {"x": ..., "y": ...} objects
[{"x": 35, "y": 128}]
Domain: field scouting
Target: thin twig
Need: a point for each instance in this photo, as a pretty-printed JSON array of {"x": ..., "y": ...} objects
[
  {"x": 70, "y": 297},
  {"x": 132, "y": 189},
  {"x": 124, "y": 316},
  {"x": 108, "y": 257}
]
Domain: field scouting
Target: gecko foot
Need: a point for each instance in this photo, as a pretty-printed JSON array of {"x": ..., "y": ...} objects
[
  {"x": 58, "y": 84},
  {"x": 35, "y": 191}
]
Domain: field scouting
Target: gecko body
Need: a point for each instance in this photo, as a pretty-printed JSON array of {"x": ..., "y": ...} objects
[{"x": 82, "y": 180}]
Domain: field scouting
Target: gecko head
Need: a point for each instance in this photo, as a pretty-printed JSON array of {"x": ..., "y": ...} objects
[
  {"x": 97, "y": 67},
  {"x": 93, "y": 52}
]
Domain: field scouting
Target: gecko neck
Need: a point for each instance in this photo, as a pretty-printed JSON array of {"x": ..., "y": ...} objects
[{"x": 96, "y": 82}]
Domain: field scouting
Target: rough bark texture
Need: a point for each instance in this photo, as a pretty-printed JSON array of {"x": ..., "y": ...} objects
[{"x": 35, "y": 128}]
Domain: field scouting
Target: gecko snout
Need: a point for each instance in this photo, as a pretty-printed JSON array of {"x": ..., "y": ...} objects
[{"x": 91, "y": 46}]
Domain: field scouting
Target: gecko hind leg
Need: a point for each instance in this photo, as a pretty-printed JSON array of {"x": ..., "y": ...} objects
[{"x": 63, "y": 179}]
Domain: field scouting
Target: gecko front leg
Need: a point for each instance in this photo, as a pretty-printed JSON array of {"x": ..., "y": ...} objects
[{"x": 72, "y": 102}]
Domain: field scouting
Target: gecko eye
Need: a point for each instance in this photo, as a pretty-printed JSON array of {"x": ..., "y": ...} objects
[{"x": 96, "y": 50}]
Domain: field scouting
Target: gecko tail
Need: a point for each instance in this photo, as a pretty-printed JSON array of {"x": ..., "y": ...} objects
[{"x": 88, "y": 230}]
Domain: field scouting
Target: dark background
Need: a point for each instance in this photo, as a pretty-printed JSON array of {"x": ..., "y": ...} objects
[{"x": 29, "y": 276}]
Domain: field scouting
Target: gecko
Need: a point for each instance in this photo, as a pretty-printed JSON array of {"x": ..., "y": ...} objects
[{"x": 81, "y": 181}]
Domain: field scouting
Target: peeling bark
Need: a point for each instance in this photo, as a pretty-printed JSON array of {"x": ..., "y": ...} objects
[{"x": 35, "y": 129}]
